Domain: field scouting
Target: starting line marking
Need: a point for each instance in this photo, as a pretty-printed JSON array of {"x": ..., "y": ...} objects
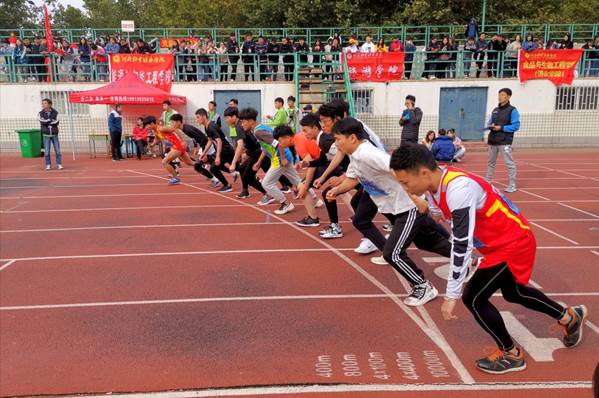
[
  {"x": 576, "y": 209},
  {"x": 106, "y": 195},
  {"x": 118, "y": 208},
  {"x": 552, "y": 232},
  {"x": 341, "y": 388}
]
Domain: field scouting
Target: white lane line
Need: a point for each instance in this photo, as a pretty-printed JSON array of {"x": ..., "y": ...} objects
[
  {"x": 233, "y": 224},
  {"x": 578, "y": 210},
  {"x": 559, "y": 171},
  {"x": 525, "y": 191},
  {"x": 118, "y": 208},
  {"x": 552, "y": 232},
  {"x": 187, "y": 253},
  {"x": 436, "y": 338},
  {"x": 561, "y": 188},
  {"x": 70, "y": 178},
  {"x": 595, "y": 252},
  {"x": 233, "y": 299},
  {"x": 351, "y": 388},
  {"x": 84, "y": 186},
  {"x": 103, "y": 195},
  {"x": 8, "y": 264}
]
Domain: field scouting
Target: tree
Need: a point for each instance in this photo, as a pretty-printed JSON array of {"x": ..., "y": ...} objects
[{"x": 17, "y": 14}]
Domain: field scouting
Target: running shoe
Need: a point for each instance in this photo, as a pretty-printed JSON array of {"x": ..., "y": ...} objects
[
  {"x": 365, "y": 247},
  {"x": 285, "y": 208},
  {"x": 308, "y": 222},
  {"x": 334, "y": 231},
  {"x": 243, "y": 195},
  {"x": 266, "y": 200},
  {"x": 319, "y": 203},
  {"x": 286, "y": 189},
  {"x": 226, "y": 188},
  {"x": 501, "y": 362},
  {"x": 573, "y": 330},
  {"x": 421, "y": 294},
  {"x": 510, "y": 189},
  {"x": 48, "y": 167},
  {"x": 59, "y": 167},
  {"x": 215, "y": 183},
  {"x": 379, "y": 260},
  {"x": 174, "y": 181}
]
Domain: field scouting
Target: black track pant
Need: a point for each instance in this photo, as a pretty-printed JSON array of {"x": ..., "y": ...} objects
[
  {"x": 412, "y": 226},
  {"x": 115, "y": 144},
  {"x": 487, "y": 281},
  {"x": 248, "y": 175}
]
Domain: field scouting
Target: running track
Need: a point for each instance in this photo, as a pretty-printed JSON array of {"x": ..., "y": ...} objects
[{"x": 112, "y": 281}]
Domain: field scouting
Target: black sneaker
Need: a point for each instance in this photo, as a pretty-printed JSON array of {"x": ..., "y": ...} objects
[
  {"x": 226, "y": 188},
  {"x": 286, "y": 189},
  {"x": 573, "y": 330},
  {"x": 501, "y": 362},
  {"x": 308, "y": 222},
  {"x": 243, "y": 195}
]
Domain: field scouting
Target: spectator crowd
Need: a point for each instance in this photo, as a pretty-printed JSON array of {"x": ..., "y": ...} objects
[{"x": 262, "y": 58}]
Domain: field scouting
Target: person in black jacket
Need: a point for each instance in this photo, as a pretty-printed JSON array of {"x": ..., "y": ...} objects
[
  {"x": 115, "y": 127},
  {"x": 248, "y": 49},
  {"x": 261, "y": 50},
  {"x": 303, "y": 49},
  {"x": 48, "y": 118},
  {"x": 233, "y": 51},
  {"x": 273, "y": 58},
  {"x": 288, "y": 64},
  {"x": 410, "y": 121}
]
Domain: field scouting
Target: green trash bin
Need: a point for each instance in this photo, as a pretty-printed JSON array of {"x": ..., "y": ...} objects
[{"x": 31, "y": 142}]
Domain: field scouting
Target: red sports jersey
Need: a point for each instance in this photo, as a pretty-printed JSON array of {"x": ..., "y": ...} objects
[
  {"x": 501, "y": 233},
  {"x": 174, "y": 139}
]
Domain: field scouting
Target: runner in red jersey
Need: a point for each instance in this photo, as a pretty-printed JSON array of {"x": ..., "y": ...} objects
[
  {"x": 178, "y": 150},
  {"x": 482, "y": 217}
]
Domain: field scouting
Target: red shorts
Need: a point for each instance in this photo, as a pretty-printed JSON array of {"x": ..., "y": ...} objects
[{"x": 519, "y": 257}]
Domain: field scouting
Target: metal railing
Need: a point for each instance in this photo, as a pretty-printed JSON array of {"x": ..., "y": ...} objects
[
  {"x": 277, "y": 67},
  {"x": 420, "y": 34}
]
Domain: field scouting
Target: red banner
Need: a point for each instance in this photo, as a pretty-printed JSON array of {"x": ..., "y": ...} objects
[
  {"x": 154, "y": 69},
  {"x": 375, "y": 67},
  {"x": 558, "y": 66},
  {"x": 168, "y": 43}
]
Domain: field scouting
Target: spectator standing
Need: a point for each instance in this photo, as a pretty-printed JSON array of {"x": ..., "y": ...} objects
[
  {"x": 112, "y": 47},
  {"x": 471, "y": 29},
  {"x": 85, "y": 58},
  {"x": 21, "y": 59},
  {"x": 444, "y": 58},
  {"x": 353, "y": 46},
  {"x": 213, "y": 115},
  {"x": 142, "y": 47},
  {"x": 124, "y": 47},
  {"x": 410, "y": 120},
  {"x": 115, "y": 127},
  {"x": 288, "y": 62},
  {"x": 529, "y": 44},
  {"x": 292, "y": 111},
  {"x": 469, "y": 54},
  {"x": 302, "y": 49},
  {"x": 432, "y": 55},
  {"x": 566, "y": 43},
  {"x": 262, "y": 55},
  {"x": 496, "y": 49},
  {"x": 381, "y": 47},
  {"x": 594, "y": 57},
  {"x": 511, "y": 54},
  {"x": 209, "y": 60},
  {"x": 223, "y": 61},
  {"x": 395, "y": 46},
  {"x": 274, "y": 49},
  {"x": 140, "y": 136},
  {"x": 37, "y": 60},
  {"x": 100, "y": 61},
  {"x": 317, "y": 49},
  {"x": 410, "y": 50},
  {"x": 248, "y": 49},
  {"x": 481, "y": 51},
  {"x": 48, "y": 118},
  {"x": 368, "y": 46},
  {"x": 504, "y": 122},
  {"x": 233, "y": 51}
]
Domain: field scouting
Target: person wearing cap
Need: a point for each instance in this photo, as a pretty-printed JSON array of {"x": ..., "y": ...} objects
[{"x": 504, "y": 122}]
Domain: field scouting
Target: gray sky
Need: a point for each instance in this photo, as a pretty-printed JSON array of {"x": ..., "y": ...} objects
[{"x": 74, "y": 3}]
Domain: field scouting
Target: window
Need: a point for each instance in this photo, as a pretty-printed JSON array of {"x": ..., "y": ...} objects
[
  {"x": 363, "y": 100},
  {"x": 60, "y": 102},
  {"x": 577, "y": 98}
]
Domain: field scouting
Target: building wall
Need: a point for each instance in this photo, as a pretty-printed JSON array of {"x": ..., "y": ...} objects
[{"x": 541, "y": 124}]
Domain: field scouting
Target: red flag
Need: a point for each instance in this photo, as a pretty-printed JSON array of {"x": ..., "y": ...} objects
[
  {"x": 49, "y": 39},
  {"x": 558, "y": 66}
]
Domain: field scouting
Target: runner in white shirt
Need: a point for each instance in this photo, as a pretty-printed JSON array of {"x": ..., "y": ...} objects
[{"x": 369, "y": 167}]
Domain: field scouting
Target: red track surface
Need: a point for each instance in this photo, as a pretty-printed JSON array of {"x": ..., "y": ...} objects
[{"x": 124, "y": 284}]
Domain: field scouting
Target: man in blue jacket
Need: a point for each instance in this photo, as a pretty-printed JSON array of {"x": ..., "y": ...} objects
[
  {"x": 443, "y": 149},
  {"x": 115, "y": 127},
  {"x": 504, "y": 122}
]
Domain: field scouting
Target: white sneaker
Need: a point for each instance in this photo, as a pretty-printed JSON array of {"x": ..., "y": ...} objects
[
  {"x": 387, "y": 227},
  {"x": 380, "y": 260},
  {"x": 421, "y": 294},
  {"x": 510, "y": 189},
  {"x": 285, "y": 208},
  {"x": 365, "y": 247},
  {"x": 319, "y": 203},
  {"x": 48, "y": 167},
  {"x": 59, "y": 167},
  {"x": 334, "y": 231}
]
